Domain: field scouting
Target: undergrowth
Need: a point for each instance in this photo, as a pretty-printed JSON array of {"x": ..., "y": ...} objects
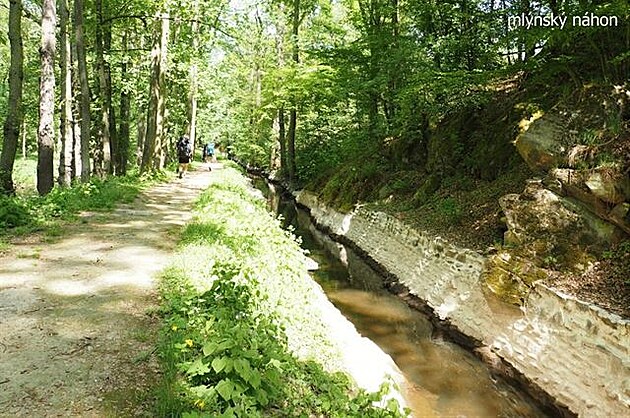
[
  {"x": 243, "y": 335},
  {"x": 29, "y": 213}
]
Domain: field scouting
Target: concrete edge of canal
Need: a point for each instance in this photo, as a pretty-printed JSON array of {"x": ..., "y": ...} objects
[{"x": 570, "y": 356}]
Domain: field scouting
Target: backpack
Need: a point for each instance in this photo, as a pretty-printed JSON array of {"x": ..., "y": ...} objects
[{"x": 183, "y": 147}]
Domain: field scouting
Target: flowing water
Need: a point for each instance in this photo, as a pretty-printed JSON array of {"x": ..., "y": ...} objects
[{"x": 443, "y": 379}]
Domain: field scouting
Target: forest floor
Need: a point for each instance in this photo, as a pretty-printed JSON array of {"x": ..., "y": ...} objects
[{"x": 78, "y": 311}]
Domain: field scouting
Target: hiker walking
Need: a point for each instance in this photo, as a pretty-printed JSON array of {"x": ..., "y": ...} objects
[
  {"x": 184, "y": 154},
  {"x": 208, "y": 152}
]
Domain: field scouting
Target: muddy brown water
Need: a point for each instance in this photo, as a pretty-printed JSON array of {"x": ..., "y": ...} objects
[{"x": 443, "y": 379}]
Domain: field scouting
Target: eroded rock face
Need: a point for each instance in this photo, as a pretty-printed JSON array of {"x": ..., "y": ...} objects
[
  {"x": 549, "y": 148},
  {"x": 597, "y": 196},
  {"x": 544, "y": 144},
  {"x": 544, "y": 225},
  {"x": 510, "y": 277},
  {"x": 608, "y": 187}
]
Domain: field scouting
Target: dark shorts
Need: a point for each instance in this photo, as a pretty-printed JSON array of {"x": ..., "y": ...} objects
[{"x": 184, "y": 160}]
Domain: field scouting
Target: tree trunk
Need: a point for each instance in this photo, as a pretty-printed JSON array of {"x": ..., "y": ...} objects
[
  {"x": 125, "y": 106},
  {"x": 84, "y": 110},
  {"x": 280, "y": 52},
  {"x": 76, "y": 125},
  {"x": 108, "y": 121},
  {"x": 65, "y": 125},
  {"x": 192, "y": 107},
  {"x": 46, "y": 129},
  {"x": 152, "y": 158},
  {"x": 113, "y": 133},
  {"x": 13, "y": 121},
  {"x": 105, "y": 160}
]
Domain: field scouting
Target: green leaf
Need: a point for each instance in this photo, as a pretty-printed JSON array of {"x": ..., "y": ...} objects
[
  {"x": 225, "y": 388},
  {"x": 198, "y": 368},
  {"x": 209, "y": 348},
  {"x": 261, "y": 397},
  {"x": 219, "y": 363},
  {"x": 225, "y": 345},
  {"x": 242, "y": 367}
]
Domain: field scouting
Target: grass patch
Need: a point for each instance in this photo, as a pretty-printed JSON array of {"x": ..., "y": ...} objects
[
  {"x": 242, "y": 334},
  {"x": 23, "y": 214},
  {"x": 24, "y": 175}
]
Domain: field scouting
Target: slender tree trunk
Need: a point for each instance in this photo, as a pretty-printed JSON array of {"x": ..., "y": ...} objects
[
  {"x": 152, "y": 157},
  {"x": 125, "y": 106},
  {"x": 192, "y": 107},
  {"x": 104, "y": 131},
  {"x": 113, "y": 133},
  {"x": 65, "y": 126},
  {"x": 280, "y": 52},
  {"x": 108, "y": 138},
  {"x": 76, "y": 125},
  {"x": 84, "y": 109},
  {"x": 291, "y": 166},
  {"x": 13, "y": 121},
  {"x": 46, "y": 130}
]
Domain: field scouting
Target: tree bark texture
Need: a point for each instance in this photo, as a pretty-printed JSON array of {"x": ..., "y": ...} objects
[
  {"x": 46, "y": 129},
  {"x": 65, "y": 126},
  {"x": 76, "y": 118},
  {"x": 84, "y": 109},
  {"x": 14, "y": 117},
  {"x": 125, "y": 106},
  {"x": 152, "y": 156},
  {"x": 107, "y": 120},
  {"x": 192, "y": 108}
]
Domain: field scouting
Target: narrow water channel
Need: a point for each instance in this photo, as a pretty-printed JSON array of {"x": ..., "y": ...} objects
[{"x": 443, "y": 379}]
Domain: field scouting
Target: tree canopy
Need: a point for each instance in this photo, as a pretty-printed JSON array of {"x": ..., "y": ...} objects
[{"x": 295, "y": 86}]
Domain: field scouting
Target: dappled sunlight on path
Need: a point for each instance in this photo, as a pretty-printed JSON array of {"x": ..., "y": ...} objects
[{"x": 76, "y": 332}]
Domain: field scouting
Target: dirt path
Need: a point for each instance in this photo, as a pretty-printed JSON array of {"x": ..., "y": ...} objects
[{"x": 76, "y": 330}]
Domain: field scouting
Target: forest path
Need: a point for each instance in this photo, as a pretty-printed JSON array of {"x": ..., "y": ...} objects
[{"x": 77, "y": 334}]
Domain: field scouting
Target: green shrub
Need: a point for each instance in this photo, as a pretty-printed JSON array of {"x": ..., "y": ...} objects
[{"x": 13, "y": 212}]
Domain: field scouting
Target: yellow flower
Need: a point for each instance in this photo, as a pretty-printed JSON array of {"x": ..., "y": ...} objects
[
  {"x": 189, "y": 343},
  {"x": 200, "y": 403},
  {"x": 174, "y": 327}
]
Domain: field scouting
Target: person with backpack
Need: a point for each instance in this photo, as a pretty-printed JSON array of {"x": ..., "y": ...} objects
[
  {"x": 208, "y": 152},
  {"x": 184, "y": 154}
]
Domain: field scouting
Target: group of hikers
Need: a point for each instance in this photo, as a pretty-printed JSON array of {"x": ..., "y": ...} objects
[{"x": 184, "y": 149}]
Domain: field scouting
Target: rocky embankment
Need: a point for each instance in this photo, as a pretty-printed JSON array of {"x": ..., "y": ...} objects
[
  {"x": 572, "y": 356},
  {"x": 576, "y": 209}
]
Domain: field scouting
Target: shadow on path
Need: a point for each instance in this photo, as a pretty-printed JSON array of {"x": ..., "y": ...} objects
[{"x": 76, "y": 333}]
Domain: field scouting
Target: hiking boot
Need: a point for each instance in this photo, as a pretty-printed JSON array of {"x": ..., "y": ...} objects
[{"x": 181, "y": 174}]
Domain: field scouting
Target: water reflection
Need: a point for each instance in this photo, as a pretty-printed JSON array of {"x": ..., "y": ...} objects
[{"x": 443, "y": 379}]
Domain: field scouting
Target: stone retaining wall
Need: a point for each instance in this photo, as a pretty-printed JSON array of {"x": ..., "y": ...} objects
[{"x": 576, "y": 353}]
